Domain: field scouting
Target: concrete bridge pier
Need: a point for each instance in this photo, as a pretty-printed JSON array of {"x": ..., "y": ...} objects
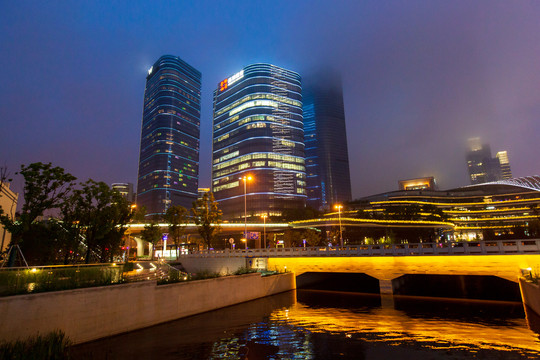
[
  {"x": 386, "y": 286},
  {"x": 140, "y": 246},
  {"x": 387, "y": 289}
]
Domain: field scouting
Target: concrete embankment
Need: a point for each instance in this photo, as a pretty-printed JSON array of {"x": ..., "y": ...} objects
[
  {"x": 93, "y": 313},
  {"x": 530, "y": 293}
]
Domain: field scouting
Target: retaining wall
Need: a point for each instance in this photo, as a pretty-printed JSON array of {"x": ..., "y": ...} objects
[
  {"x": 530, "y": 293},
  {"x": 222, "y": 265},
  {"x": 93, "y": 313}
]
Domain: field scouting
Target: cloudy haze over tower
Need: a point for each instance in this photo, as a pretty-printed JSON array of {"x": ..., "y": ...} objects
[
  {"x": 327, "y": 158},
  {"x": 258, "y": 131},
  {"x": 169, "y": 152},
  {"x": 484, "y": 168}
]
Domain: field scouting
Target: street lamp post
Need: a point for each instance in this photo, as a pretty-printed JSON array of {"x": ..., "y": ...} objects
[
  {"x": 264, "y": 216},
  {"x": 339, "y": 207},
  {"x": 245, "y": 178},
  {"x": 132, "y": 207}
]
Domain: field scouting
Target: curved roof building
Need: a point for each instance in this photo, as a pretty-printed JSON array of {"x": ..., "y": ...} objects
[{"x": 494, "y": 210}]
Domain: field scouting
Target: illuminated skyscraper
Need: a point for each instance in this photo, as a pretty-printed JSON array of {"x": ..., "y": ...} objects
[
  {"x": 169, "y": 155},
  {"x": 258, "y": 131},
  {"x": 125, "y": 189},
  {"x": 482, "y": 167},
  {"x": 327, "y": 158},
  {"x": 506, "y": 172}
]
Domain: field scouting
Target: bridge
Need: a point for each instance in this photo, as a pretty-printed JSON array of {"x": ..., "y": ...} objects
[{"x": 506, "y": 259}]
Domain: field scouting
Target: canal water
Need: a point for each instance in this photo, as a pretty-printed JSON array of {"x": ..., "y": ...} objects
[{"x": 311, "y": 324}]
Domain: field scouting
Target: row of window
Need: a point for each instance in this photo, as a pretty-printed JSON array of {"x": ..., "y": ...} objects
[
  {"x": 272, "y": 156},
  {"x": 274, "y": 97},
  {"x": 271, "y": 164}
]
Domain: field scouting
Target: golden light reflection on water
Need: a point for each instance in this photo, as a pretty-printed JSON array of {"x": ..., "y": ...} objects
[{"x": 396, "y": 327}]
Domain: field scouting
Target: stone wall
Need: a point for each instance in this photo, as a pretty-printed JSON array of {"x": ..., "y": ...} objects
[
  {"x": 530, "y": 293},
  {"x": 92, "y": 313},
  {"x": 222, "y": 265}
]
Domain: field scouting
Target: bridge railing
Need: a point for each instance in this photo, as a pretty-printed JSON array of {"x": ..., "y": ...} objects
[{"x": 495, "y": 247}]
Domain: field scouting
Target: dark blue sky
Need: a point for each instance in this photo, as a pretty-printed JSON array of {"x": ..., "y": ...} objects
[{"x": 420, "y": 77}]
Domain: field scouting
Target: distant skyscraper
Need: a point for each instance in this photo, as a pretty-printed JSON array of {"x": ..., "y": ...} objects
[
  {"x": 482, "y": 167},
  {"x": 258, "y": 131},
  {"x": 327, "y": 158},
  {"x": 169, "y": 156},
  {"x": 506, "y": 172},
  {"x": 125, "y": 189}
]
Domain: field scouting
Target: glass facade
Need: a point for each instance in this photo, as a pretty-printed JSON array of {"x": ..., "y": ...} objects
[
  {"x": 482, "y": 167},
  {"x": 327, "y": 158},
  {"x": 258, "y": 131},
  {"x": 169, "y": 155}
]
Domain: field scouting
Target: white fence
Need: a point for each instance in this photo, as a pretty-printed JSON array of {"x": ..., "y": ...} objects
[{"x": 499, "y": 247}]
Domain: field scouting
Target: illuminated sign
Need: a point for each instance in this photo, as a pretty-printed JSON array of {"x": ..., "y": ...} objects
[
  {"x": 150, "y": 70},
  {"x": 229, "y": 81}
]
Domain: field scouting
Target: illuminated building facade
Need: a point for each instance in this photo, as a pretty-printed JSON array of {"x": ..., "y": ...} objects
[
  {"x": 506, "y": 172},
  {"x": 426, "y": 183},
  {"x": 8, "y": 203},
  {"x": 505, "y": 209},
  {"x": 258, "y": 132},
  {"x": 125, "y": 189},
  {"x": 327, "y": 158},
  {"x": 169, "y": 155},
  {"x": 484, "y": 168}
]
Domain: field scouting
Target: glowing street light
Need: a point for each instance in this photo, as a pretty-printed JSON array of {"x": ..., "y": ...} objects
[
  {"x": 245, "y": 178},
  {"x": 264, "y": 216},
  {"x": 132, "y": 208},
  {"x": 338, "y": 207}
]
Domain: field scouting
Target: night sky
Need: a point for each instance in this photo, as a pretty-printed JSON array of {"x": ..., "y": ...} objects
[{"x": 420, "y": 77}]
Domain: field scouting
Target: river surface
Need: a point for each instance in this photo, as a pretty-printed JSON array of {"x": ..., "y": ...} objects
[{"x": 308, "y": 324}]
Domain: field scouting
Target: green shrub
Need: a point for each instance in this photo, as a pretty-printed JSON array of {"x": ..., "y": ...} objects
[
  {"x": 205, "y": 274},
  {"x": 27, "y": 281},
  {"x": 128, "y": 266},
  {"x": 244, "y": 270},
  {"x": 53, "y": 345}
]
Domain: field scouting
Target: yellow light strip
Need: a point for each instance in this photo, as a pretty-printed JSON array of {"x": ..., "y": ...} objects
[
  {"x": 417, "y": 222},
  {"x": 495, "y": 218},
  {"x": 484, "y": 211},
  {"x": 452, "y": 204}
]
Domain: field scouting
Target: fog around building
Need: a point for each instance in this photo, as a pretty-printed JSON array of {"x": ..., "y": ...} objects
[{"x": 419, "y": 78}]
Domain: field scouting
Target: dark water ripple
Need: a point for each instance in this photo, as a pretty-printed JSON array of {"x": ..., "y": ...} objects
[{"x": 329, "y": 325}]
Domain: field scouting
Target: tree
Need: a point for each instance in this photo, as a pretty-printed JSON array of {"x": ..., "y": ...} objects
[
  {"x": 176, "y": 217},
  {"x": 45, "y": 187},
  {"x": 69, "y": 229},
  {"x": 312, "y": 237},
  {"x": 118, "y": 213},
  {"x": 207, "y": 217},
  {"x": 103, "y": 214},
  {"x": 151, "y": 234},
  {"x": 292, "y": 238},
  {"x": 139, "y": 214}
]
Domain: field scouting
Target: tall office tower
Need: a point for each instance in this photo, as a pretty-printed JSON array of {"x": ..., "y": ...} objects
[
  {"x": 506, "y": 172},
  {"x": 258, "y": 132},
  {"x": 169, "y": 156},
  {"x": 482, "y": 167},
  {"x": 327, "y": 158},
  {"x": 125, "y": 189}
]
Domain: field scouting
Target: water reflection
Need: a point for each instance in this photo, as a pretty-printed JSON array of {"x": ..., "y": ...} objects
[{"x": 328, "y": 325}]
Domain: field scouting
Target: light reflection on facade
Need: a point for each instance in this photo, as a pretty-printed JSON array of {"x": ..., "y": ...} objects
[
  {"x": 169, "y": 153},
  {"x": 258, "y": 131}
]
